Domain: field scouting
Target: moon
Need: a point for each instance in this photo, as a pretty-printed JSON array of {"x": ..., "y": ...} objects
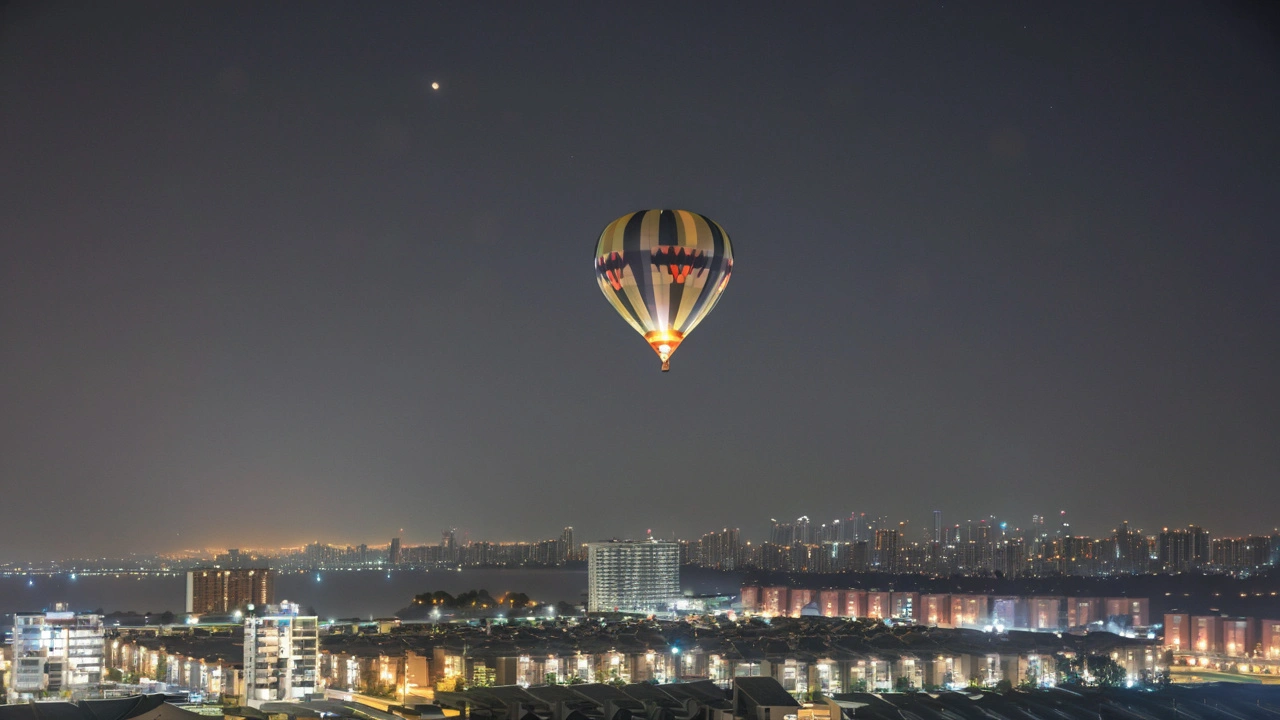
[{"x": 435, "y": 86}]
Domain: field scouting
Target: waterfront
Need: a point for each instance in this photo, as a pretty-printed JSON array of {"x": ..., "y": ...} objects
[{"x": 333, "y": 594}]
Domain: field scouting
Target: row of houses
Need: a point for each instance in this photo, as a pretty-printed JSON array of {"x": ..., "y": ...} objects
[
  {"x": 803, "y": 655},
  {"x": 1040, "y": 612},
  {"x": 210, "y": 664}
]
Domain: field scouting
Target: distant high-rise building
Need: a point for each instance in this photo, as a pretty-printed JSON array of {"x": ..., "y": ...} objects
[
  {"x": 721, "y": 550},
  {"x": 281, "y": 655},
  {"x": 449, "y": 545},
  {"x": 393, "y": 556},
  {"x": 55, "y": 653},
  {"x": 632, "y": 577},
  {"x": 856, "y": 530},
  {"x": 1131, "y": 554},
  {"x": 782, "y": 534},
  {"x": 885, "y": 553},
  {"x": 570, "y": 550},
  {"x": 1182, "y": 550},
  {"x": 937, "y": 526},
  {"x": 804, "y": 531},
  {"x": 215, "y": 590}
]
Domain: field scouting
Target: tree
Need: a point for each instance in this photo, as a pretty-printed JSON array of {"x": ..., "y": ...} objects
[
  {"x": 455, "y": 683},
  {"x": 1105, "y": 671},
  {"x": 162, "y": 668},
  {"x": 1068, "y": 669},
  {"x": 384, "y": 690}
]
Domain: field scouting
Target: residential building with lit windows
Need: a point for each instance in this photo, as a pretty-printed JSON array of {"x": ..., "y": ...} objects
[
  {"x": 223, "y": 590},
  {"x": 281, "y": 655},
  {"x": 1206, "y": 633},
  {"x": 1082, "y": 611},
  {"x": 904, "y": 605},
  {"x": 799, "y": 598},
  {"x": 1135, "y": 611},
  {"x": 1238, "y": 637},
  {"x": 1270, "y": 648},
  {"x": 1177, "y": 631},
  {"x": 970, "y": 611},
  {"x": 878, "y": 605},
  {"x": 57, "y": 654},
  {"x": 829, "y": 603},
  {"x": 632, "y": 577},
  {"x": 935, "y": 610}
]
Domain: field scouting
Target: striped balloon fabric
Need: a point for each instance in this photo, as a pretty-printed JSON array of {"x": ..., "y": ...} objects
[{"x": 663, "y": 271}]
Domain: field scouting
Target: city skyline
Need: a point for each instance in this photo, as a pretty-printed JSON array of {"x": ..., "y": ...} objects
[
  {"x": 544, "y": 549},
  {"x": 294, "y": 270}
]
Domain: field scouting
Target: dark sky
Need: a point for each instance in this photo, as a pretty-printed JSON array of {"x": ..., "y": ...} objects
[{"x": 261, "y": 285}]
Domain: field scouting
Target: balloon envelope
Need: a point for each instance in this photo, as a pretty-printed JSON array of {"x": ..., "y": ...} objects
[{"x": 663, "y": 271}]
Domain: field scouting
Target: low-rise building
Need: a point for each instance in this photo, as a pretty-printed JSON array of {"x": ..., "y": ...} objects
[
  {"x": 55, "y": 654},
  {"x": 1206, "y": 634},
  {"x": 1177, "y": 631},
  {"x": 935, "y": 610},
  {"x": 1270, "y": 648},
  {"x": 1135, "y": 612},
  {"x": 1082, "y": 611}
]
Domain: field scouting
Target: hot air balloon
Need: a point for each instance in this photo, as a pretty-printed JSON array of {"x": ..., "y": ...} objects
[{"x": 663, "y": 271}]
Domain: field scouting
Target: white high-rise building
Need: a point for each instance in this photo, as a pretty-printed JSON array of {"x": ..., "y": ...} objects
[
  {"x": 55, "y": 654},
  {"x": 281, "y": 655},
  {"x": 632, "y": 577}
]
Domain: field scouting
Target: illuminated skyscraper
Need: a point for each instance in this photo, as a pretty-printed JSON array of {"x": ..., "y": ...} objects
[
  {"x": 804, "y": 532},
  {"x": 570, "y": 552},
  {"x": 721, "y": 550},
  {"x": 885, "y": 553},
  {"x": 782, "y": 534},
  {"x": 449, "y": 545},
  {"x": 632, "y": 577}
]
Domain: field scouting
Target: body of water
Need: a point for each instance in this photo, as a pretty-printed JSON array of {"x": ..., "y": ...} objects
[{"x": 333, "y": 594}]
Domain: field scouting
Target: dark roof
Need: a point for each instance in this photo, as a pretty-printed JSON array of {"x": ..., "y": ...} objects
[
  {"x": 761, "y": 691},
  {"x": 150, "y": 707},
  {"x": 704, "y": 691},
  {"x": 512, "y": 695},
  {"x": 1230, "y": 701},
  {"x": 600, "y": 694},
  {"x": 552, "y": 694},
  {"x": 120, "y": 707},
  {"x": 644, "y": 692}
]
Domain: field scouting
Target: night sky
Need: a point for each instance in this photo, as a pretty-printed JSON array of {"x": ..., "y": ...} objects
[{"x": 260, "y": 284}]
